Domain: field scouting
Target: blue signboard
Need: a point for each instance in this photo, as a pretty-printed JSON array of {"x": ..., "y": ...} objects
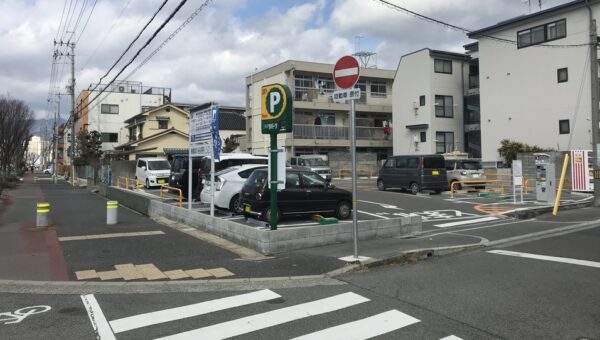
[{"x": 215, "y": 133}]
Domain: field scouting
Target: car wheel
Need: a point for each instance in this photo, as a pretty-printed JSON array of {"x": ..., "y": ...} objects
[
  {"x": 147, "y": 183},
  {"x": 235, "y": 205},
  {"x": 414, "y": 188},
  {"x": 343, "y": 210},
  {"x": 380, "y": 185},
  {"x": 266, "y": 215},
  {"x": 456, "y": 186}
]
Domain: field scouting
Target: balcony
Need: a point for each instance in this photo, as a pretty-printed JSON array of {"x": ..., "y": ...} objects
[
  {"x": 340, "y": 135},
  {"x": 473, "y": 89}
]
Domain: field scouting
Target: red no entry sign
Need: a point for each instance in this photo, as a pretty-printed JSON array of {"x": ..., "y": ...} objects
[{"x": 346, "y": 72}]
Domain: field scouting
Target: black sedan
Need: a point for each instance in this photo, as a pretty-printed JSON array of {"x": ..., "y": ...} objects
[{"x": 305, "y": 193}]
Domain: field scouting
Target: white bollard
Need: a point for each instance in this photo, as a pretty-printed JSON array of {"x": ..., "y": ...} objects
[
  {"x": 43, "y": 209},
  {"x": 112, "y": 209}
]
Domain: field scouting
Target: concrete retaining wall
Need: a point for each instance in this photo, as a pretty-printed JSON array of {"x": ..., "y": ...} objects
[{"x": 260, "y": 239}]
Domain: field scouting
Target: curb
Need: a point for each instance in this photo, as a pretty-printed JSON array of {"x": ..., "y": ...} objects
[{"x": 527, "y": 213}]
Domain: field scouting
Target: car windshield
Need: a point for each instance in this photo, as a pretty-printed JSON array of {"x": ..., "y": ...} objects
[
  {"x": 159, "y": 165},
  {"x": 257, "y": 179},
  {"x": 224, "y": 171},
  {"x": 471, "y": 166},
  {"x": 313, "y": 180},
  {"x": 314, "y": 162}
]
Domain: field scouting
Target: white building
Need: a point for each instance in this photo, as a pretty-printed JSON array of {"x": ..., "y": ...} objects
[
  {"x": 320, "y": 125},
  {"x": 531, "y": 92},
  {"x": 428, "y": 102},
  {"x": 119, "y": 102}
]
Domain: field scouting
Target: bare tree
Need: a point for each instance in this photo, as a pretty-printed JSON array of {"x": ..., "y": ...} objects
[{"x": 16, "y": 120}]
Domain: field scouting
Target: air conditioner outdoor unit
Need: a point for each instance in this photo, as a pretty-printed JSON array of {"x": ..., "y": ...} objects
[
  {"x": 121, "y": 88},
  {"x": 416, "y": 138}
]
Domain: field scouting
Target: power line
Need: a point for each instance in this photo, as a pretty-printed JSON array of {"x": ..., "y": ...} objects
[
  {"x": 86, "y": 22},
  {"x": 465, "y": 30},
  {"x": 61, "y": 19},
  {"x": 83, "y": 6},
  {"x": 131, "y": 44},
  {"x": 139, "y": 51},
  {"x": 69, "y": 17}
]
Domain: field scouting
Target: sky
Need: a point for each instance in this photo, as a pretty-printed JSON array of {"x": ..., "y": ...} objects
[{"x": 227, "y": 41}]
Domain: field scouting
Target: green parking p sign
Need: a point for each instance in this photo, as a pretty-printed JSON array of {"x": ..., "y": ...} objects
[{"x": 276, "y": 109}]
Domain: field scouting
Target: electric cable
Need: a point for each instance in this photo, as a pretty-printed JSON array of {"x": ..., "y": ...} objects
[{"x": 86, "y": 22}]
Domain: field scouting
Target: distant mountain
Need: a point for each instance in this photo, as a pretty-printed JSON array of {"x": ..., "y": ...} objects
[{"x": 41, "y": 125}]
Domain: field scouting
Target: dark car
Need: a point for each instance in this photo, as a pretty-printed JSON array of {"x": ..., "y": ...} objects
[
  {"x": 179, "y": 174},
  {"x": 415, "y": 173},
  {"x": 305, "y": 193}
]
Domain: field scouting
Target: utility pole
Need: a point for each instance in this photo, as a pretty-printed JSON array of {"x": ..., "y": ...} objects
[
  {"x": 56, "y": 116},
  {"x": 595, "y": 109}
]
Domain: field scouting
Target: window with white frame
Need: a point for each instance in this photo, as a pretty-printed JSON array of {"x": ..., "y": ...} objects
[
  {"x": 378, "y": 89},
  {"x": 542, "y": 33},
  {"x": 444, "y": 106}
]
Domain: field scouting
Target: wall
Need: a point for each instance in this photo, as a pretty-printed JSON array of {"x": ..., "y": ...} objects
[
  {"x": 122, "y": 169},
  {"x": 366, "y": 163},
  {"x": 520, "y": 93}
]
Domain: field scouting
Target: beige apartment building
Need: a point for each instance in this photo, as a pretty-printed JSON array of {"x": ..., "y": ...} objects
[{"x": 320, "y": 125}]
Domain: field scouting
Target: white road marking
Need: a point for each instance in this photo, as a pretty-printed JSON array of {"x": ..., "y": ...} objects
[
  {"x": 268, "y": 319},
  {"x": 97, "y": 318},
  {"x": 375, "y": 215},
  {"x": 547, "y": 258},
  {"x": 383, "y": 205},
  {"x": 365, "y": 328},
  {"x": 453, "y": 224},
  {"x": 171, "y": 314},
  {"x": 451, "y": 337}
]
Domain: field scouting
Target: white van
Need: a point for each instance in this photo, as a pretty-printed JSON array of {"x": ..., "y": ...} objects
[{"x": 152, "y": 171}]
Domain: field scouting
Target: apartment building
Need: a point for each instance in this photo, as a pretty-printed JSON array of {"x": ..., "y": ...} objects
[
  {"x": 530, "y": 91},
  {"x": 320, "y": 125},
  {"x": 119, "y": 102},
  {"x": 429, "y": 104}
]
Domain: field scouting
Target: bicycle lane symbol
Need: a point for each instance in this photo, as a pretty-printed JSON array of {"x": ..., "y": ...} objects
[{"x": 20, "y": 314}]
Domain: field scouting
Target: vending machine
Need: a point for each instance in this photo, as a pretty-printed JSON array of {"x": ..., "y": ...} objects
[
  {"x": 582, "y": 178},
  {"x": 545, "y": 181}
]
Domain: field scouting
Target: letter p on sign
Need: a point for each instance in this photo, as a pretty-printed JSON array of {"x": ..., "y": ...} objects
[{"x": 274, "y": 100}]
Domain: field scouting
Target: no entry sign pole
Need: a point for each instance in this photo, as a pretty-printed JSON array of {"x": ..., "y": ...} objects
[{"x": 346, "y": 72}]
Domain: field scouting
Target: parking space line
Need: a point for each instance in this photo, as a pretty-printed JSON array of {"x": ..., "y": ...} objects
[
  {"x": 112, "y": 235},
  {"x": 547, "y": 258},
  {"x": 454, "y": 224},
  {"x": 371, "y": 214},
  {"x": 383, "y": 205}
]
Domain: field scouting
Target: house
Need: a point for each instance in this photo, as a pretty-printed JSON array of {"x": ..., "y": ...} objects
[
  {"x": 150, "y": 132},
  {"x": 117, "y": 103},
  {"x": 534, "y": 79},
  {"x": 428, "y": 102},
  {"x": 321, "y": 126}
]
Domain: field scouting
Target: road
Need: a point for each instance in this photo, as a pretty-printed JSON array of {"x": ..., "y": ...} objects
[{"x": 544, "y": 289}]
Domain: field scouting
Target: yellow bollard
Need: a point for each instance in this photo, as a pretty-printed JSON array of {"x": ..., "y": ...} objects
[{"x": 560, "y": 184}]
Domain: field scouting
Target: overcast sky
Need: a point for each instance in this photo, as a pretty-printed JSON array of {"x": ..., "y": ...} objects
[{"x": 208, "y": 60}]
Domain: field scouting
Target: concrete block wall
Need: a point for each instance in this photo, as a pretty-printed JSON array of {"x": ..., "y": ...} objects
[{"x": 366, "y": 163}]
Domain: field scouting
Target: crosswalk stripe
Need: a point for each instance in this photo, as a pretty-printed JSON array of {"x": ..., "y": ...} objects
[
  {"x": 365, "y": 328},
  {"x": 268, "y": 319},
  {"x": 171, "y": 314},
  {"x": 547, "y": 258},
  {"x": 478, "y": 220},
  {"x": 97, "y": 318}
]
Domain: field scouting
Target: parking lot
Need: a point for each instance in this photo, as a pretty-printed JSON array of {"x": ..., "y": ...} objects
[{"x": 437, "y": 211}]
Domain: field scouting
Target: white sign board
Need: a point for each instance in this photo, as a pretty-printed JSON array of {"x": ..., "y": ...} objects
[
  {"x": 341, "y": 96},
  {"x": 280, "y": 169},
  {"x": 200, "y": 124},
  {"x": 517, "y": 170},
  {"x": 200, "y": 149}
]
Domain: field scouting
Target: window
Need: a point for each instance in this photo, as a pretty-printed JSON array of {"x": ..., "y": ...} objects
[
  {"x": 444, "y": 142},
  {"x": 132, "y": 133},
  {"x": 389, "y": 163},
  {"x": 292, "y": 180},
  {"x": 378, "y": 89},
  {"x": 423, "y": 136},
  {"x": 109, "y": 137},
  {"x": 163, "y": 124},
  {"x": 539, "y": 34},
  {"x": 109, "y": 109},
  {"x": 401, "y": 162},
  {"x": 563, "y": 75},
  {"x": 141, "y": 164},
  {"x": 444, "y": 106},
  {"x": 303, "y": 81},
  {"x": 563, "y": 126},
  {"x": 312, "y": 180},
  {"x": 422, "y": 101},
  {"x": 442, "y": 66},
  {"x": 412, "y": 163}
]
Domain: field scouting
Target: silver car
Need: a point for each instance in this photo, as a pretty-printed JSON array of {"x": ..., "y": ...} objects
[{"x": 465, "y": 170}]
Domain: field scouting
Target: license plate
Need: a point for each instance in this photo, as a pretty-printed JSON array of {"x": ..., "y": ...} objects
[
  {"x": 161, "y": 181},
  {"x": 247, "y": 208},
  {"x": 435, "y": 172}
]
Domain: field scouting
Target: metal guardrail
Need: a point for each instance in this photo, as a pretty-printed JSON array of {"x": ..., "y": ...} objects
[
  {"x": 126, "y": 181},
  {"x": 305, "y": 131},
  {"x": 162, "y": 187}
]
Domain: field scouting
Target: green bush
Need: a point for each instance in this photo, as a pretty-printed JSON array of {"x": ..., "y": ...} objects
[{"x": 510, "y": 149}]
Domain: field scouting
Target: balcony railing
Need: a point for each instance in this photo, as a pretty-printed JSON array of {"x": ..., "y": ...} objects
[
  {"x": 338, "y": 132},
  {"x": 309, "y": 94}
]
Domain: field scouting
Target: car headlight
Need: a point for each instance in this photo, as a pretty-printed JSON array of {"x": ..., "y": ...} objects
[{"x": 464, "y": 173}]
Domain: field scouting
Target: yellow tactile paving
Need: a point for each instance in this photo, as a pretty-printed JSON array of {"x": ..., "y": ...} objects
[
  {"x": 220, "y": 272},
  {"x": 109, "y": 275},
  {"x": 128, "y": 271},
  {"x": 198, "y": 273},
  {"x": 111, "y": 235},
  {"x": 150, "y": 272},
  {"x": 176, "y": 274},
  {"x": 86, "y": 274}
]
